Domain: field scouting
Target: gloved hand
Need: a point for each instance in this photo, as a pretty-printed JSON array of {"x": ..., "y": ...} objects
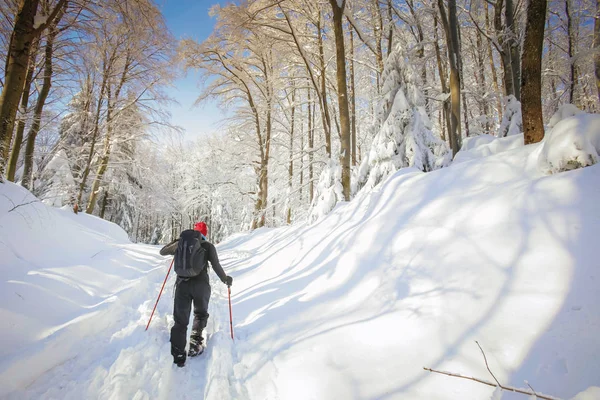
[{"x": 228, "y": 280}]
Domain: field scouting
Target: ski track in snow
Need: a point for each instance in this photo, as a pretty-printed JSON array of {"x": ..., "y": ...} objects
[{"x": 123, "y": 361}]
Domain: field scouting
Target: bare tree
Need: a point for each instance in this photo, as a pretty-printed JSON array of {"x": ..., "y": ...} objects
[
  {"x": 18, "y": 141},
  {"x": 531, "y": 80},
  {"x": 41, "y": 100},
  {"x": 597, "y": 47},
  {"x": 450, "y": 24},
  {"x": 24, "y": 33},
  {"x": 338, "y": 13}
]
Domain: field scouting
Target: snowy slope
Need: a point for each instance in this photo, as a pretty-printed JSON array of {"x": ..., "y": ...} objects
[
  {"x": 413, "y": 273},
  {"x": 404, "y": 277},
  {"x": 64, "y": 278}
]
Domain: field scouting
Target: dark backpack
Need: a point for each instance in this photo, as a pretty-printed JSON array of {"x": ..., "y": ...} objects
[{"x": 190, "y": 258}]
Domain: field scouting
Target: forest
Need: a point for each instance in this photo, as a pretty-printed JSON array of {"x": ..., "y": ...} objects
[{"x": 325, "y": 99}]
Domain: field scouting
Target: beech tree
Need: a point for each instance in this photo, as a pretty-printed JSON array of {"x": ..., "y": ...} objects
[
  {"x": 24, "y": 33},
  {"x": 531, "y": 81}
]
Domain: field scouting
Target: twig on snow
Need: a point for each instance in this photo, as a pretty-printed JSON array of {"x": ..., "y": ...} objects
[
  {"x": 486, "y": 363},
  {"x": 497, "y": 384},
  {"x": 23, "y": 204}
]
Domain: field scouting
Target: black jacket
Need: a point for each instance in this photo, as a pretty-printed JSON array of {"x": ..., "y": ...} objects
[{"x": 211, "y": 251}]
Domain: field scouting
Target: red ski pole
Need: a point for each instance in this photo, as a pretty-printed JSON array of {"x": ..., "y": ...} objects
[
  {"x": 230, "y": 317},
  {"x": 159, "y": 293}
]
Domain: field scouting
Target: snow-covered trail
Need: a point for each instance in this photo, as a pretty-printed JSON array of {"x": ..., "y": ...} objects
[{"x": 120, "y": 360}]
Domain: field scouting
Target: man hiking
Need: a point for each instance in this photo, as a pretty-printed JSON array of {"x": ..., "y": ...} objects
[{"x": 192, "y": 253}]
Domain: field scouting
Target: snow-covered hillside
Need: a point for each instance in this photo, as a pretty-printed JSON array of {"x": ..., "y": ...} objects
[
  {"x": 412, "y": 274},
  {"x": 406, "y": 276}
]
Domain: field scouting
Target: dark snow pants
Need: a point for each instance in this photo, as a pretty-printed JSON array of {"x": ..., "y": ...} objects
[{"x": 196, "y": 290}]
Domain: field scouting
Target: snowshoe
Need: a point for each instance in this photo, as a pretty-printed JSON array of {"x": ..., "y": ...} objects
[{"x": 196, "y": 348}]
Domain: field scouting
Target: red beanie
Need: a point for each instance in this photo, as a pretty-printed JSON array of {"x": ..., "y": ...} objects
[{"x": 201, "y": 227}]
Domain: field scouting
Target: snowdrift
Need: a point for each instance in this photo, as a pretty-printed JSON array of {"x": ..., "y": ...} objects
[
  {"x": 412, "y": 274},
  {"x": 64, "y": 278}
]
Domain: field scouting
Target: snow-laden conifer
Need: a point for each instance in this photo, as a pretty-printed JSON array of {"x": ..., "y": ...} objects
[{"x": 402, "y": 129}]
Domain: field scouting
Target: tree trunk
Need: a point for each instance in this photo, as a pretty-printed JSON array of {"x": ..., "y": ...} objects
[
  {"x": 325, "y": 108},
  {"x": 391, "y": 28},
  {"x": 531, "y": 80},
  {"x": 352, "y": 98},
  {"x": 338, "y": 13},
  {"x": 41, "y": 102},
  {"x": 291, "y": 160},
  {"x": 515, "y": 48},
  {"x": 16, "y": 149},
  {"x": 301, "y": 194},
  {"x": 483, "y": 103},
  {"x": 571, "y": 53},
  {"x": 103, "y": 206},
  {"x": 420, "y": 50},
  {"x": 442, "y": 75},
  {"x": 450, "y": 24},
  {"x": 493, "y": 68},
  {"x": 597, "y": 47},
  {"x": 311, "y": 144},
  {"x": 378, "y": 29},
  {"x": 505, "y": 54}
]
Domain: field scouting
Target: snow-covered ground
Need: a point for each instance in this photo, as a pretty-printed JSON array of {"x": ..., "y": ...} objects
[{"x": 406, "y": 276}]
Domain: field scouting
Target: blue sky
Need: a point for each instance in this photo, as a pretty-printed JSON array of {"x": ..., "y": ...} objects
[{"x": 189, "y": 18}]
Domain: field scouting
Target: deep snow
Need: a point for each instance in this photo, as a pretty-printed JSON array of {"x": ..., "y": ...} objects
[{"x": 404, "y": 277}]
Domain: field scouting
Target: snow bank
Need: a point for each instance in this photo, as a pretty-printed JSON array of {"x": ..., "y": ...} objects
[
  {"x": 564, "y": 111},
  {"x": 64, "y": 278},
  {"x": 572, "y": 143},
  {"x": 485, "y": 145}
]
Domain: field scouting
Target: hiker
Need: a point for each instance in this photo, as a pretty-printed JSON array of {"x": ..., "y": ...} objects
[{"x": 193, "y": 251}]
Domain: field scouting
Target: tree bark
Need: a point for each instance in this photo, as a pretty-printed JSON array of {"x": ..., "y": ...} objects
[
  {"x": 311, "y": 144},
  {"x": 531, "y": 80},
  {"x": 325, "y": 109},
  {"x": 597, "y": 47},
  {"x": 338, "y": 13},
  {"x": 103, "y": 206},
  {"x": 504, "y": 50},
  {"x": 378, "y": 29},
  {"x": 493, "y": 68},
  {"x": 442, "y": 75},
  {"x": 420, "y": 49},
  {"x": 450, "y": 24},
  {"x": 391, "y": 28},
  {"x": 16, "y": 149},
  {"x": 514, "y": 46},
  {"x": 480, "y": 54},
  {"x": 571, "y": 53},
  {"x": 352, "y": 98},
  {"x": 41, "y": 102},
  {"x": 291, "y": 158}
]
